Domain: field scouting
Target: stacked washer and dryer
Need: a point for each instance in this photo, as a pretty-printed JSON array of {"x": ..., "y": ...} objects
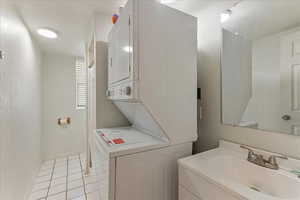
[{"x": 152, "y": 79}]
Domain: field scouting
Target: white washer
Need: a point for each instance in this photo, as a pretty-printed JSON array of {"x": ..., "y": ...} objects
[{"x": 142, "y": 162}]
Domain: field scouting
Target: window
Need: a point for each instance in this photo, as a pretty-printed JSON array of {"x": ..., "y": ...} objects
[{"x": 81, "y": 84}]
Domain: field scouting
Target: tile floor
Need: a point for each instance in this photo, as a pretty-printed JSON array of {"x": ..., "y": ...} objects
[{"x": 64, "y": 179}]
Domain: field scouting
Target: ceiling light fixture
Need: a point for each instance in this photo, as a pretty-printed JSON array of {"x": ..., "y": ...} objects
[
  {"x": 225, "y": 15},
  {"x": 48, "y": 33},
  {"x": 128, "y": 49},
  {"x": 167, "y": 1}
]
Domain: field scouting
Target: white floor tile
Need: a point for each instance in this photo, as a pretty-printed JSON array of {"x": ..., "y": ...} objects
[
  {"x": 92, "y": 187},
  {"x": 38, "y": 194},
  {"x": 76, "y": 166},
  {"x": 60, "y": 171},
  {"x": 93, "y": 196},
  {"x": 62, "y": 179},
  {"x": 74, "y": 171},
  {"x": 43, "y": 179},
  {"x": 48, "y": 162},
  {"x": 45, "y": 173},
  {"x": 60, "y": 196},
  {"x": 61, "y": 159},
  {"x": 59, "y": 174},
  {"x": 75, "y": 184},
  {"x": 40, "y": 186},
  {"x": 74, "y": 162},
  {"x": 61, "y": 165},
  {"x": 62, "y": 168},
  {"x": 57, "y": 189},
  {"x": 71, "y": 194},
  {"x": 73, "y": 157},
  {"x": 46, "y": 167},
  {"x": 90, "y": 179},
  {"x": 79, "y": 198},
  {"x": 73, "y": 177},
  {"x": 59, "y": 181}
]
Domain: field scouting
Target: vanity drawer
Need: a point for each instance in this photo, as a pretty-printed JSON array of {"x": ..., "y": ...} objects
[
  {"x": 184, "y": 194},
  {"x": 201, "y": 187}
]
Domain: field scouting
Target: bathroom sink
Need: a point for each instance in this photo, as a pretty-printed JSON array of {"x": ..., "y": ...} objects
[{"x": 232, "y": 173}]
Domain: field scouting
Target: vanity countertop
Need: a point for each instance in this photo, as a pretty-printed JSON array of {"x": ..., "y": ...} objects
[{"x": 227, "y": 168}]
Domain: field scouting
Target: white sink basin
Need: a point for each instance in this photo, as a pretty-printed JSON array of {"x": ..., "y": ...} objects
[{"x": 229, "y": 172}]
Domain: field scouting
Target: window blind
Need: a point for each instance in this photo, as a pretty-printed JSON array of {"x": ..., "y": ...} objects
[{"x": 81, "y": 84}]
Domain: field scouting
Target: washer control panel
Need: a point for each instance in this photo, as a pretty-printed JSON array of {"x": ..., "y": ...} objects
[{"x": 121, "y": 92}]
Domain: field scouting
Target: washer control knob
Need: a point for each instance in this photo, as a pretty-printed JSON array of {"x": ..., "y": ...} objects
[
  {"x": 128, "y": 91},
  {"x": 108, "y": 93}
]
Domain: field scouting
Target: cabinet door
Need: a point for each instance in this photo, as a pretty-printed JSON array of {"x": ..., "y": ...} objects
[
  {"x": 121, "y": 49},
  {"x": 101, "y": 167},
  {"x": 150, "y": 175},
  {"x": 186, "y": 195}
]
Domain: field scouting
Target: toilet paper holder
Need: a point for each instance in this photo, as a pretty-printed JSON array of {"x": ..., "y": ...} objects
[{"x": 64, "y": 121}]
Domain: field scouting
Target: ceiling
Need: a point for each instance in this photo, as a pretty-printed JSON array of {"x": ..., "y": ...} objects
[
  {"x": 71, "y": 18},
  {"x": 255, "y": 19}
]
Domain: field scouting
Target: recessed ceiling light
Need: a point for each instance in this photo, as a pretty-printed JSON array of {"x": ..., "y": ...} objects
[
  {"x": 167, "y": 1},
  {"x": 225, "y": 15},
  {"x": 128, "y": 49},
  {"x": 48, "y": 33}
]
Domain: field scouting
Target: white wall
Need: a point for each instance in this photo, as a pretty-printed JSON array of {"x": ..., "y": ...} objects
[
  {"x": 103, "y": 26},
  {"x": 264, "y": 107},
  {"x": 107, "y": 114},
  {"x": 211, "y": 129},
  {"x": 59, "y": 101},
  {"x": 20, "y": 107},
  {"x": 236, "y": 76}
]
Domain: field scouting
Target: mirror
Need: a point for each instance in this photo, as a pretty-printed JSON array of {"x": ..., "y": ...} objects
[{"x": 260, "y": 64}]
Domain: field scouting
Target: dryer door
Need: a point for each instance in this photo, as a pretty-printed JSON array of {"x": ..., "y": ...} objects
[{"x": 120, "y": 50}]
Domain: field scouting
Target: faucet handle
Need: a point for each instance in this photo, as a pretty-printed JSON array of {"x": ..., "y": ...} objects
[
  {"x": 273, "y": 160},
  {"x": 280, "y": 156},
  {"x": 251, "y": 153},
  {"x": 247, "y": 148}
]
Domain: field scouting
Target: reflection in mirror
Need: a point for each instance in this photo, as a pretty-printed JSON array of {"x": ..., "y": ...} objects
[{"x": 261, "y": 66}]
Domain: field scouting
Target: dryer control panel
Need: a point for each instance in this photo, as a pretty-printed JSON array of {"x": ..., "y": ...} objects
[{"x": 125, "y": 91}]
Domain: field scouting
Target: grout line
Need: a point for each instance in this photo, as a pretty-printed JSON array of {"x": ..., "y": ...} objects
[
  {"x": 67, "y": 178},
  {"x": 83, "y": 181},
  {"x": 54, "y": 163}
]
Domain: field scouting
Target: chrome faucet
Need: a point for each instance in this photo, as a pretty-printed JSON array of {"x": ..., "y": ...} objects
[{"x": 258, "y": 159}]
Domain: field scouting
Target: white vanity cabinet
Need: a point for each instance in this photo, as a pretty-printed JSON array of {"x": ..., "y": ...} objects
[{"x": 184, "y": 194}]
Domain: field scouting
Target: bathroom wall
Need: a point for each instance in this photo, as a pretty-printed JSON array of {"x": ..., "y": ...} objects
[
  {"x": 59, "y": 101},
  {"x": 211, "y": 130},
  {"x": 103, "y": 25},
  {"x": 20, "y": 106}
]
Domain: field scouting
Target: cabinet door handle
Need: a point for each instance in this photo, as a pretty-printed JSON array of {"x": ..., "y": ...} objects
[{"x": 111, "y": 60}]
